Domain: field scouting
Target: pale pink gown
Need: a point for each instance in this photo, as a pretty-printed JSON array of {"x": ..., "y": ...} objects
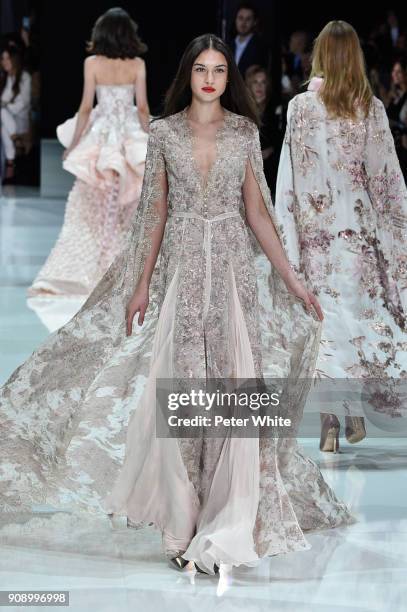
[{"x": 109, "y": 165}]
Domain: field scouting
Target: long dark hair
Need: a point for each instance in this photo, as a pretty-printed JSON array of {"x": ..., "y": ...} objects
[
  {"x": 17, "y": 62},
  {"x": 114, "y": 35},
  {"x": 235, "y": 98}
]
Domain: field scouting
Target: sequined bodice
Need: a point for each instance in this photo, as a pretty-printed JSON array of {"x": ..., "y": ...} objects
[
  {"x": 115, "y": 100},
  {"x": 220, "y": 190}
]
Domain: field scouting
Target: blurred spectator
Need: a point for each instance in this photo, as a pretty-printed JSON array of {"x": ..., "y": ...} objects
[
  {"x": 259, "y": 84},
  {"x": 15, "y": 99},
  {"x": 400, "y": 47},
  {"x": 247, "y": 46},
  {"x": 388, "y": 40},
  {"x": 23, "y": 44},
  {"x": 394, "y": 29},
  {"x": 396, "y": 105},
  {"x": 31, "y": 54},
  {"x": 396, "y": 98},
  {"x": 375, "y": 81},
  {"x": 298, "y": 58},
  {"x": 287, "y": 88},
  {"x": 306, "y": 62}
]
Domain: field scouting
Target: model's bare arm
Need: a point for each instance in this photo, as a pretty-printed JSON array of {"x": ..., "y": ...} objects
[
  {"x": 141, "y": 95},
  {"x": 86, "y": 105}
]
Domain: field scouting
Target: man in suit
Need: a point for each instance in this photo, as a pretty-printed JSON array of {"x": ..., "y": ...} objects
[
  {"x": 247, "y": 46},
  {"x": 298, "y": 47}
]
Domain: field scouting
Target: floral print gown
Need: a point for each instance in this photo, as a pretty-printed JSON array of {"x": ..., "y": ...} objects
[
  {"x": 78, "y": 417},
  {"x": 341, "y": 205}
]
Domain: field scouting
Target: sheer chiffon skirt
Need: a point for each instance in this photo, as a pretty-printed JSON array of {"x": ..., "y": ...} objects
[{"x": 217, "y": 500}]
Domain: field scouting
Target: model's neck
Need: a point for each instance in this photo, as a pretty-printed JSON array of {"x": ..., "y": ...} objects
[{"x": 205, "y": 112}]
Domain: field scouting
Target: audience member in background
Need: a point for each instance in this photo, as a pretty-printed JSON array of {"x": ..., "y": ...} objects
[
  {"x": 26, "y": 42},
  {"x": 393, "y": 26},
  {"x": 30, "y": 38},
  {"x": 247, "y": 46},
  {"x": 401, "y": 48},
  {"x": 306, "y": 62},
  {"x": 15, "y": 97},
  {"x": 12, "y": 40},
  {"x": 259, "y": 84},
  {"x": 297, "y": 58},
  {"x": 386, "y": 39},
  {"x": 396, "y": 99},
  {"x": 375, "y": 80},
  {"x": 396, "y": 107},
  {"x": 287, "y": 90}
]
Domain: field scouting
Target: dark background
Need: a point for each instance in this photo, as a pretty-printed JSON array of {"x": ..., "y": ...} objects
[
  {"x": 166, "y": 27},
  {"x": 65, "y": 28}
]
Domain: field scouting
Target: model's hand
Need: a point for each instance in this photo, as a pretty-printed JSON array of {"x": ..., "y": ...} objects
[
  {"x": 295, "y": 287},
  {"x": 138, "y": 303}
]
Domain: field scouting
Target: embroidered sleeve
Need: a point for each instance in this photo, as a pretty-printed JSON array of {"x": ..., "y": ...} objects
[
  {"x": 286, "y": 200},
  {"x": 387, "y": 192}
]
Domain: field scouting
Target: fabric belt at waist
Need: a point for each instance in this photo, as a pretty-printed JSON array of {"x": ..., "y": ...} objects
[
  {"x": 193, "y": 215},
  {"x": 207, "y": 245}
]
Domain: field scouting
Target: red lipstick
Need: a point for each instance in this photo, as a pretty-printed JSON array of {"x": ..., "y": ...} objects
[{"x": 208, "y": 89}]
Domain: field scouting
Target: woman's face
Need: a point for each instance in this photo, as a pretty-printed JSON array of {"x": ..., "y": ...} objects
[
  {"x": 6, "y": 63},
  {"x": 209, "y": 75},
  {"x": 398, "y": 75},
  {"x": 258, "y": 87}
]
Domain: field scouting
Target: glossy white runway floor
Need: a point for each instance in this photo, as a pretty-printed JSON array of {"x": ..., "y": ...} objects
[{"x": 359, "y": 568}]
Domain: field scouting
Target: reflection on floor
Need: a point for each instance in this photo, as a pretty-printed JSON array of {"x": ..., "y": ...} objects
[
  {"x": 110, "y": 567},
  {"x": 29, "y": 226}
]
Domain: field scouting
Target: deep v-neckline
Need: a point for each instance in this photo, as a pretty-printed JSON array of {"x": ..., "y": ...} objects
[{"x": 204, "y": 180}]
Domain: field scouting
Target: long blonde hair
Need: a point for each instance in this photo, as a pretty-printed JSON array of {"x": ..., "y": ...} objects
[{"x": 338, "y": 57}]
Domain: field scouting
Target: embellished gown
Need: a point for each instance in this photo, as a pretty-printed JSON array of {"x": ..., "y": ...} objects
[
  {"x": 341, "y": 205},
  {"x": 69, "y": 409},
  {"x": 108, "y": 164}
]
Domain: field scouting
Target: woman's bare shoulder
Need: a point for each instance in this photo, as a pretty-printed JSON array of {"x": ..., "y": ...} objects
[
  {"x": 139, "y": 65},
  {"x": 91, "y": 60},
  {"x": 91, "y": 64}
]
